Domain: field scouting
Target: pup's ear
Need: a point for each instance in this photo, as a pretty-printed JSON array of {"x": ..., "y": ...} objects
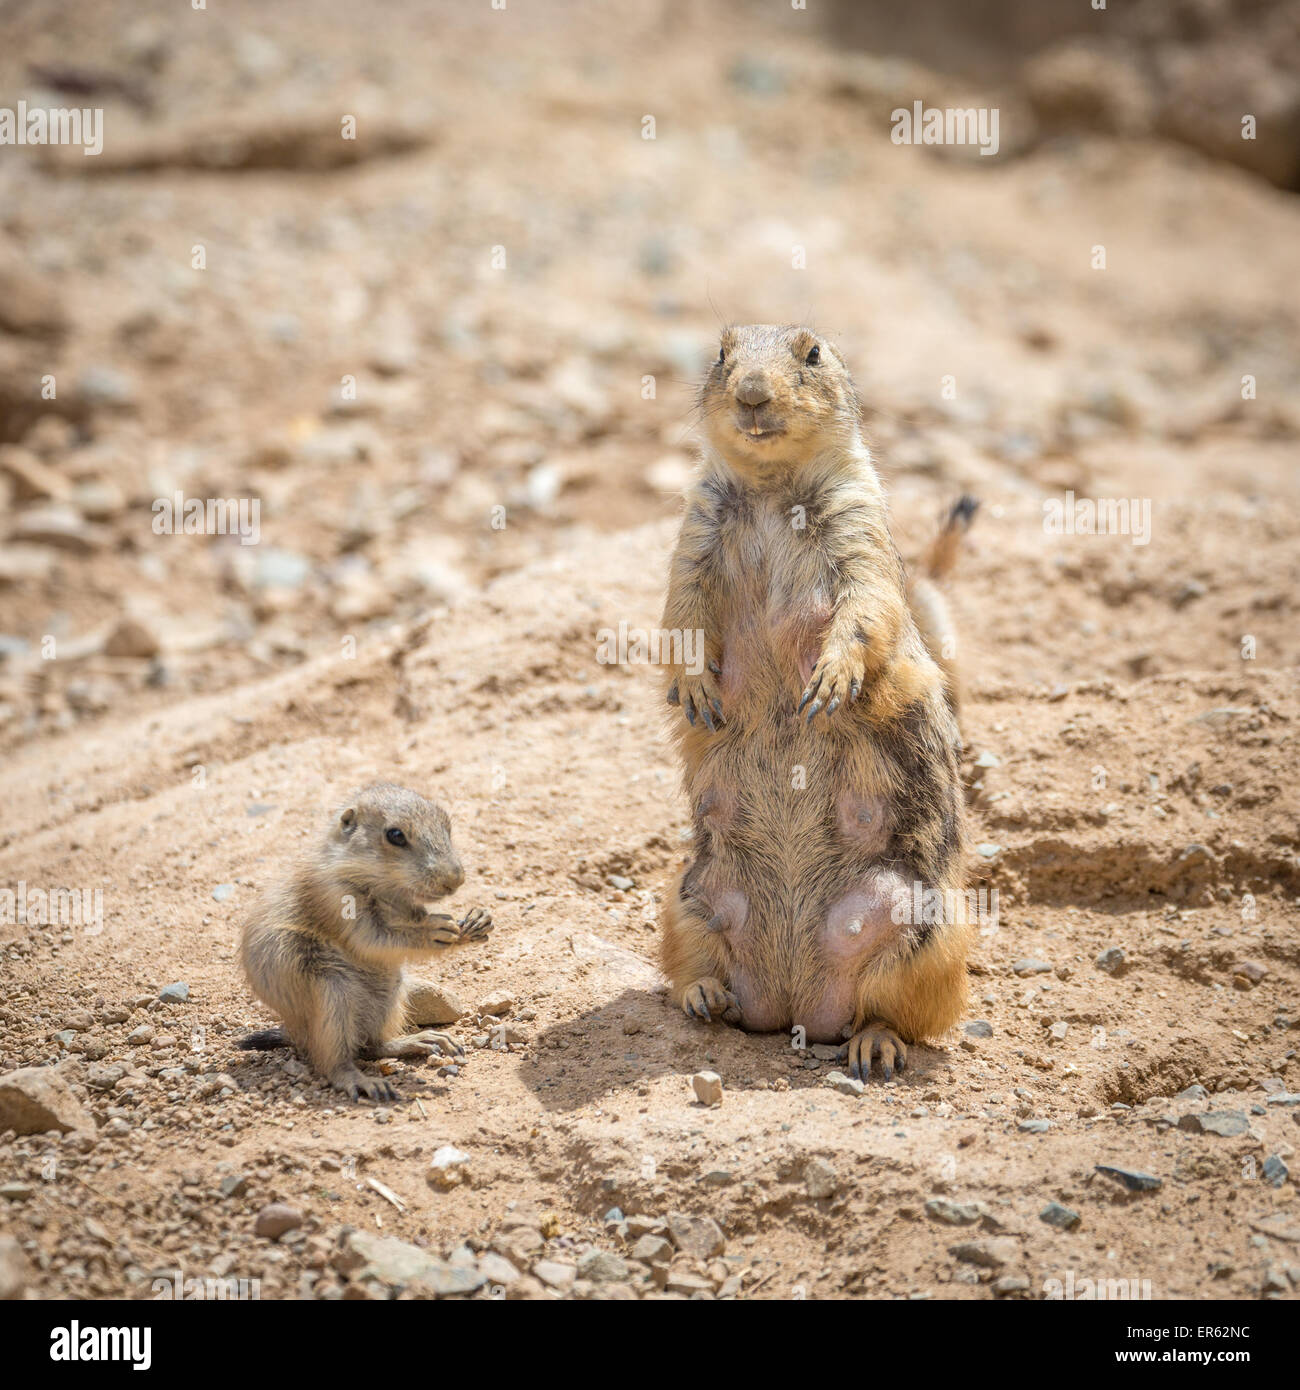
[{"x": 348, "y": 821}]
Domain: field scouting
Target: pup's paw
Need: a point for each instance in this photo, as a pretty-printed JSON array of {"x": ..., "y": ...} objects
[{"x": 475, "y": 925}]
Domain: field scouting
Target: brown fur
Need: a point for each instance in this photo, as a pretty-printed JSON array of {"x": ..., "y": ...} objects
[
  {"x": 325, "y": 949},
  {"x": 819, "y": 744}
]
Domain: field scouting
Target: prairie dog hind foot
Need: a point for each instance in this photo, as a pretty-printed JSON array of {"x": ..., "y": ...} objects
[
  {"x": 709, "y": 997},
  {"x": 875, "y": 1041}
]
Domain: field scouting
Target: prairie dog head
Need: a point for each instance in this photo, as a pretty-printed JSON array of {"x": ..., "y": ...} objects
[
  {"x": 776, "y": 397},
  {"x": 395, "y": 843}
]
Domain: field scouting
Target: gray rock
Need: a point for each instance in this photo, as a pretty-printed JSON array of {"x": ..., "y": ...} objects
[
  {"x": 106, "y": 1076},
  {"x": 991, "y": 1253},
  {"x": 754, "y": 75},
  {"x": 101, "y": 385},
  {"x": 1111, "y": 961},
  {"x": 235, "y": 1185},
  {"x": 1010, "y": 1286},
  {"x": 699, "y": 1236},
  {"x": 398, "y": 1263},
  {"x": 979, "y": 1028},
  {"x": 1034, "y": 1126},
  {"x": 652, "y": 1250},
  {"x": 1284, "y": 1098},
  {"x": 604, "y": 1267},
  {"x": 1132, "y": 1178},
  {"x": 1194, "y": 1092},
  {"x": 177, "y": 993},
  {"x": 624, "y": 885},
  {"x": 1030, "y": 966},
  {"x": 280, "y": 569},
  {"x": 819, "y": 1179},
  {"x": 556, "y": 1273},
  {"x": 1061, "y": 1217},
  {"x": 1227, "y": 1124},
  {"x": 846, "y": 1085},
  {"x": 1275, "y": 1171},
  {"x": 496, "y": 1269},
  {"x": 223, "y": 891},
  {"x": 954, "y": 1213},
  {"x": 438, "y": 1278}
]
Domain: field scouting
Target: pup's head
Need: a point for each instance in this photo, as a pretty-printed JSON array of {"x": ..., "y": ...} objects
[
  {"x": 396, "y": 843},
  {"x": 777, "y": 395}
]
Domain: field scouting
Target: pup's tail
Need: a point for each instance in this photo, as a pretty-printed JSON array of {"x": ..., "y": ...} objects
[
  {"x": 929, "y": 608},
  {"x": 264, "y": 1041},
  {"x": 941, "y": 554}
]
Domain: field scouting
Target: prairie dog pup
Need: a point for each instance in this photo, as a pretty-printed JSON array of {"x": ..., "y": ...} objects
[
  {"x": 819, "y": 742},
  {"x": 325, "y": 949}
]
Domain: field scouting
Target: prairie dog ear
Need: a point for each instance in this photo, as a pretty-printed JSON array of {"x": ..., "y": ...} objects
[{"x": 348, "y": 821}]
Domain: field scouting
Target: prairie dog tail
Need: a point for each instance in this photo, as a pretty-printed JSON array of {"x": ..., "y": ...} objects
[
  {"x": 941, "y": 554},
  {"x": 929, "y": 608}
]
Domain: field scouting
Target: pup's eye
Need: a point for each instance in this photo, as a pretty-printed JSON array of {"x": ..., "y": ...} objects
[
  {"x": 814, "y": 355},
  {"x": 395, "y": 837}
]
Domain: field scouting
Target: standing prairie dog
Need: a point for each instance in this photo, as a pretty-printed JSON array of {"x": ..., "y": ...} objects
[
  {"x": 325, "y": 949},
  {"x": 818, "y": 734}
]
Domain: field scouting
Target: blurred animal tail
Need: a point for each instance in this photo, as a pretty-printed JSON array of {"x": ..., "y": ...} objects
[
  {"x": 264, "y": 1041},
  {"x": 929, "y": 608},
  {"x": 941, "y": 554}
]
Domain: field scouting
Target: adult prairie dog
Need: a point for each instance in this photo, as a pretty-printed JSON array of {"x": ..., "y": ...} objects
[
  {"x": 325, "y": 949},
  {"x": 818, "y": 737}
]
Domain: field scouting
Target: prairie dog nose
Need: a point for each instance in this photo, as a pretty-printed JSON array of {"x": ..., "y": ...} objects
[
  {"x": 754, "y": 389},
  {"x": 447, "y": 875}
]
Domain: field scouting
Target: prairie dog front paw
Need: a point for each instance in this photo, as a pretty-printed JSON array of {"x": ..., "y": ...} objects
[
  {"x": 475, "y": 925},
  {"x": 700, "y": 696}
]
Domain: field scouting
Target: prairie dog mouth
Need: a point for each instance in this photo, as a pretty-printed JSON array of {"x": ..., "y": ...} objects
[{"x": 752, "y": 429}]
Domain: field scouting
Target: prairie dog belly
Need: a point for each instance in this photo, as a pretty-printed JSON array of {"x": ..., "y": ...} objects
[
  {"x": 767, "y": 658},
  {"x": 791, "y": 874}
]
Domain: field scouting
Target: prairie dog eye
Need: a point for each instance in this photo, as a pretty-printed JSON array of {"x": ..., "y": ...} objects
[
  {"x": 814, "y": 355},
  {"x": 395, "y": 837}
]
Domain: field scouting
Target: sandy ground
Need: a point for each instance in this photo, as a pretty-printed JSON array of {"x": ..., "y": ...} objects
[{"x": 435, "y": 561}]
